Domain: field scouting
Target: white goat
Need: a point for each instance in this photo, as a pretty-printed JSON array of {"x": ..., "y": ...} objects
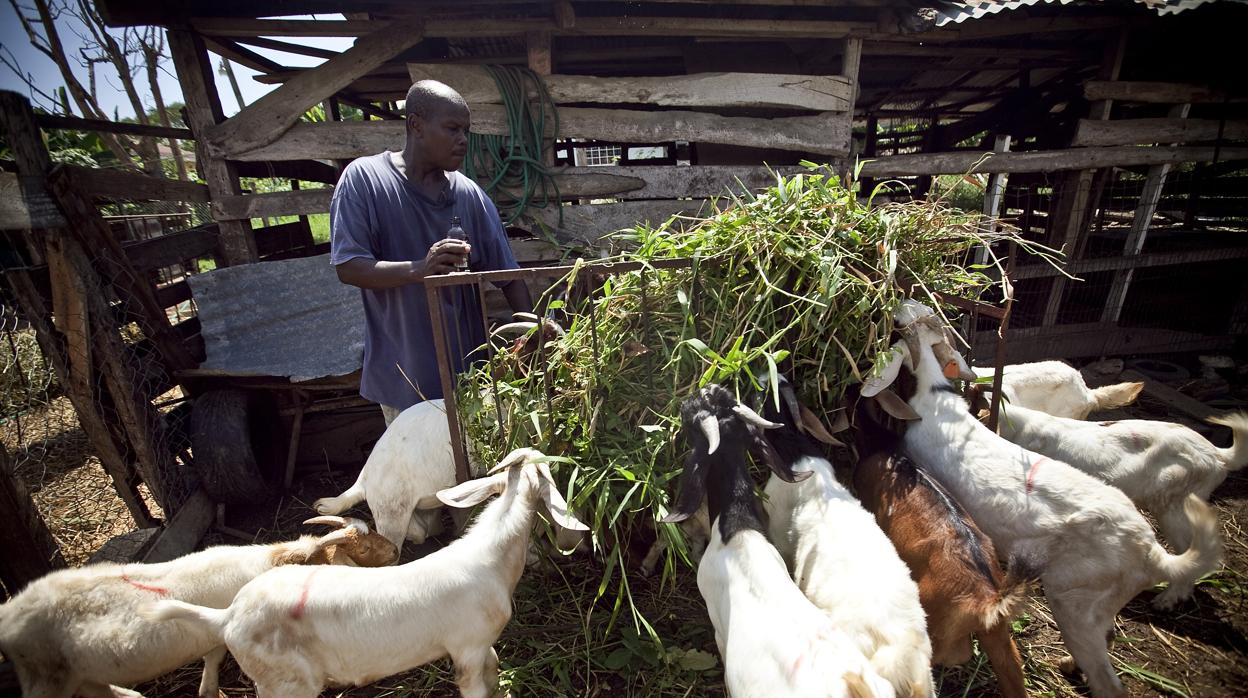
[
  {"x": 1058, "y": 389},
  {"x": 1156, "y": 464},
  {"x": 773, "y": 640},
  {"x": 295, "y": 633},
  {"x": 1094, "y": 551},
  {"x": 411, "y": 461},
  {"x": 841, "y": 559},
  {"x": 77, "y": 631}
]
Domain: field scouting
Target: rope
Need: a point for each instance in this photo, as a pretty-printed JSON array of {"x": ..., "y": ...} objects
[{"x": 509, "y": 168}]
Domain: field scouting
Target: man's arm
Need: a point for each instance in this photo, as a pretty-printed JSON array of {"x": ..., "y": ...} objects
[
  {"x": 370, "y": 273},
  {"x": 517, "y": 294}
]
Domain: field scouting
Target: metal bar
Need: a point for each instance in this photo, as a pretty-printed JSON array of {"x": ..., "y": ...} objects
[
  {"x": 459, "y": 278},
  {"x": 489, "y": 351},
  {"x": 448, "y": 383},
  {"x": 994, "y": 410}
]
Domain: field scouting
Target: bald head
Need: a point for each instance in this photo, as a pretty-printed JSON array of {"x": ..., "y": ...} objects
[{"x": 428, "y": 98}]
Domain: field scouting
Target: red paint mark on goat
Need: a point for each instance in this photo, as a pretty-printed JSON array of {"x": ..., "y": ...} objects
[
  {"x": 144, "y": 587},
  {"x": 1135, "y": 439},
  {"x": 1031, "y": 473},
  {"x": 797, "y": 666},
  {"x": 296, "y": 611}
]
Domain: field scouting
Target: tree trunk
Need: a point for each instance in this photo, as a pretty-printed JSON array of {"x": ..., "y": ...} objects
[{"x": 152, "y": 55}]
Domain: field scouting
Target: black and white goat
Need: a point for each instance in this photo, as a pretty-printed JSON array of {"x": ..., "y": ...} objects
[
  {"x": 773, "y": 640},
  {"x": 840, "y": 558},
  {"x": 1093, "y": 550}
]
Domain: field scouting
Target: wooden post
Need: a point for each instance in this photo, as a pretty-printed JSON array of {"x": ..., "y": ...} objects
[
  {"x": 203, "y": 111},
  {"x": 1144, "y": 210},
  {"x": 27, "y": 549},
  {"x": 541, "y": 62},
  {"x": 851, "y": 62},
  {"x": 992, "y": 196},
  {"x": 1072, "y": 211}
]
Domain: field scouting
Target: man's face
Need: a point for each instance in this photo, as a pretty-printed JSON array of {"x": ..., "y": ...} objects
[{"x": 443, "y": 135}]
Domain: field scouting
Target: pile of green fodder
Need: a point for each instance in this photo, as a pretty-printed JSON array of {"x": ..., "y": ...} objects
[{"x": 800, "y": 279}]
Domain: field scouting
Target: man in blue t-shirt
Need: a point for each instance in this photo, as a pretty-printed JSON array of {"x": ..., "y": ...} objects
[{"x": 388, "y": 221}]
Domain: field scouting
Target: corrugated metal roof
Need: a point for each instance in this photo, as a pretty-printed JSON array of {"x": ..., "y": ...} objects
[
  {"x": 291, "y": 318},
  {"x": 957, "y": 12}
]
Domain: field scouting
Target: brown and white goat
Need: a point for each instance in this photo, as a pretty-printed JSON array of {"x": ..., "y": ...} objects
[{"x": 961, "y": 586}]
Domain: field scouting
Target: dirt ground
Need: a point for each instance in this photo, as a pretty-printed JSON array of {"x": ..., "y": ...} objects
[{"x": 557, "y": 643}]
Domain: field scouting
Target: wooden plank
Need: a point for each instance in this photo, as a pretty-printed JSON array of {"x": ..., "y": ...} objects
[
  {"x": 1131, "y": 131},
  {"x": 1153, "y": 184},
  {"x": 823, "y": 134},
  {"x": 203, "y": 109},
  {"x": 1163, "y": 393},
  {"x": 274, "y": 239},
  {"x": 114, "y": 185},
  {"x": 184, "y": 531},
  {"x": 25, "y": 204},
  {"x": 169, "y": 295},
  {"x": 1152, "y": 92},
  {"x": 811, "y": 92},
  {"x": 628, "y": 182},
  {"x": 242, "y": 56},
  {"x": 167, "y": 250},
  {"x": 590, "y": 224},
  {"x": 462, "y": 28},
  {"x": 307, "y": 170},
  {"x": 1157, "y": 259},
  {"x": 271, "y": 205},
  {"x": 1094, "y": 339},
  {"x": 1045, "y": 160},
  {"x": 260, "y": 122},
  {"x": 74, "y": 123},
  {"x": 70, "y": 316},
  {"x": 29, "y": 550}
]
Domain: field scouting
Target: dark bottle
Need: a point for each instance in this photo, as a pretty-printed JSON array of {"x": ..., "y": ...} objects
[{"x": 457, "y": 233}]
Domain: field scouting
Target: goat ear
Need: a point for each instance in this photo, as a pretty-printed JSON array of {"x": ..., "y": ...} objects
[
  {"x": 780, "y": 466},
  {"x": 895, "y": 406},
  {"x": 815, "y": 427},
  {"x": 555, "y": 502},
  {"x": 429, "y": 501},
  {"x": 473, "y": 492},
  {"x": 692, "y": 488},
  {"x": 899, "y": 355}
]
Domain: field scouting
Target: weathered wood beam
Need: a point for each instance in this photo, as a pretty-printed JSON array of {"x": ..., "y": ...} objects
[
  {"x": 811, "y": 92},
  {"x": 288, "y": 47},
  {"x": 1132, "y": 131},
  {"x": 262, "y": 121},
  {"x": 824, "y": 133},
  {"x": 1152, "y": 92},
  {"x": 1157, "y": 259},
  {"x": 1094, "y": 339},
  {"x": 113, "y": 185},
  {"x": 1044, "y": 160},
  {"x": 74, "y": 123},
  {"x": 30, "y": 551},
  {"x": 25, "y": 204},
  {"x": 203, "y": 110},
  {"x": 242, "y": 56},
  {"x": 166, "y": 250},
  {"x": 584, "y": 26},
  {"x": 629, "y": 183},
  {"x": 591, "y": 224},
  {"x": 184, "y": 531}
]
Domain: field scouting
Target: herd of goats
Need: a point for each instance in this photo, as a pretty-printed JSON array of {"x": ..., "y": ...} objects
[{"x": 812, "y": 590}]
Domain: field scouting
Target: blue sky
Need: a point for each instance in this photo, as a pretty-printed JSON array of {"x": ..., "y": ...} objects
[{"x": 15, "y": 46}]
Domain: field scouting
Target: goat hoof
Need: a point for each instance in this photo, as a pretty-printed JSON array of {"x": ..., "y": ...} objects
[
  {"x": 1166, "y": 601},
  {"x": 1067, "y": 666}
]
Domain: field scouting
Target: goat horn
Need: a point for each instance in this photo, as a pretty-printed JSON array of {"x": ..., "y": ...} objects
[
  {"x": 710, "y": 427},
  {"x": 327, "y": 520},
  {"x": 753, "y": 417},
  {"x": 342, "y": 535},
  {"x": 526, "y": 326},
  {"x": 525, "y": 316},
  {"x": 516, "y": 457}
]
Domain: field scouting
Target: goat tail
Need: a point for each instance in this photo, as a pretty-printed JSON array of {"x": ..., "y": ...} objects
[
  {"x": 1236, "y": 456},
  {"x": 332, "y": 506},
  {"x": 1020, "y": 576},
  {"x": 867, "y": 684},
  {"x": 1202, "y": 557},
  {"x": 1118, "y": 395},
  {"x": 212, "y": 620}
]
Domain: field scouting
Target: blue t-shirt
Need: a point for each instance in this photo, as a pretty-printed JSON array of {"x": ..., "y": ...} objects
[{"x": 377, "y": 214}]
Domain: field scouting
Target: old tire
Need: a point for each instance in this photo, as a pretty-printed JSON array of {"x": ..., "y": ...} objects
[{"x": 236, "y": 443}]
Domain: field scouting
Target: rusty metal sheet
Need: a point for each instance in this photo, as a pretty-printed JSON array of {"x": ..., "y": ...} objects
[{"x": 290, "y": 318}]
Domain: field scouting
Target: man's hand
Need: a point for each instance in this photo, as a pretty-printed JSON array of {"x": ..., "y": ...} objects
[{"x": 444, "y": 255}]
